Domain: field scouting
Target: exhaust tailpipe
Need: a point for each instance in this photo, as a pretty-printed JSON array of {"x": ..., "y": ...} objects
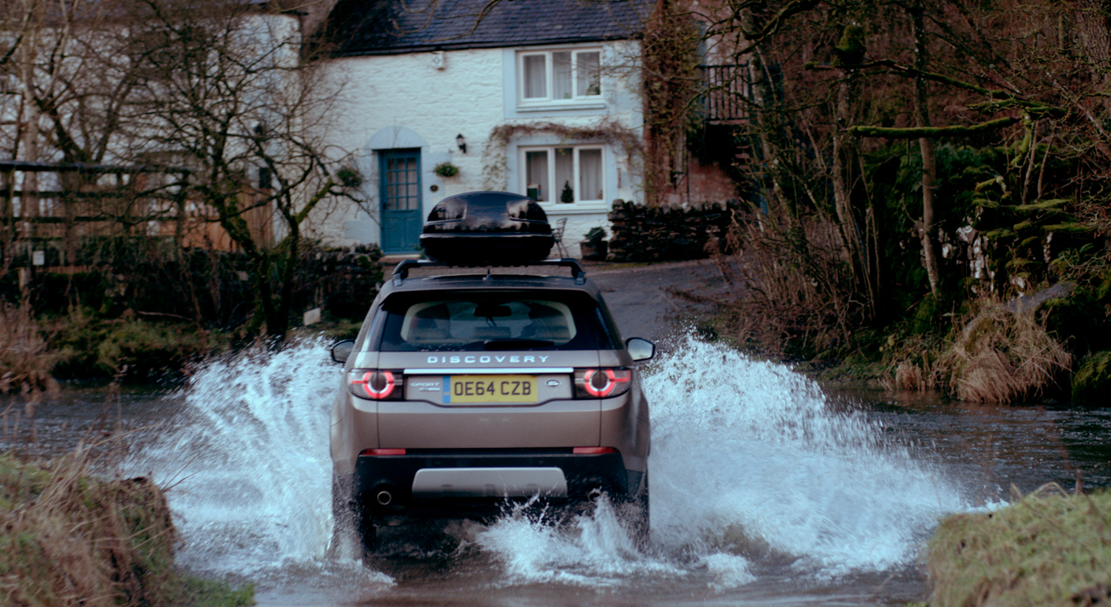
[{"x": 384, "y": 497}]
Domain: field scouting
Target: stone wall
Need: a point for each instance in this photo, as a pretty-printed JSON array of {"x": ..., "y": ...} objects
[{"x": 642, "y": 233}]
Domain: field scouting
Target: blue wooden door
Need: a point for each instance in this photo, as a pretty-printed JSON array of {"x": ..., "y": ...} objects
[{"x": 400, "y": 193}]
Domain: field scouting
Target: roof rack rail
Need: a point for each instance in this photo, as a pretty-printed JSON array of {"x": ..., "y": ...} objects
[{"x": 401, "y": 271}]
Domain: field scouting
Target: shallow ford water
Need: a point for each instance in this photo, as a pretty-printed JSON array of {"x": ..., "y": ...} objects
[{"x": 765, "y": 489}]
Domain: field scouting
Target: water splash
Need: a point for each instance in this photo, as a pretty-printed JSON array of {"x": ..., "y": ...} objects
[
  {"x": 749, "y": 465},
  {"x": 594, "y": 549},
  {"x": 247, "y": 466},
  {"x": 748, "y": 457}
]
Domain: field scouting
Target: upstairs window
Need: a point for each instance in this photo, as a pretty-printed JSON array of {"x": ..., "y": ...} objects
[{"x": 560, "y": 76}]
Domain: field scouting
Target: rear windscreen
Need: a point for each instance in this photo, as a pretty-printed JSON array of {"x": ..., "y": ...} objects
[{"x": 476, "y": 322}]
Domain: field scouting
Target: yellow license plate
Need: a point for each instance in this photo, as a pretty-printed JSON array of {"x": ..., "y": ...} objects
[{"x": 490, "y": 389}]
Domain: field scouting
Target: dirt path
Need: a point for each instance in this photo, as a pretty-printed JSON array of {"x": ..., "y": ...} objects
[{"x": 643, "y": 298}]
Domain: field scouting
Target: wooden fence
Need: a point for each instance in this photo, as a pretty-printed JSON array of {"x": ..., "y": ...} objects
[{"x": 53, "y": 214}]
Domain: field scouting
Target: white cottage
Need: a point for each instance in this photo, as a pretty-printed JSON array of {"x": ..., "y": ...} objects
[{"x": 538, "y": 97}]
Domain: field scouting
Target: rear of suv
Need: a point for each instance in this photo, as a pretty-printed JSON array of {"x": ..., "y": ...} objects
[{"x": 463, "y": 390}]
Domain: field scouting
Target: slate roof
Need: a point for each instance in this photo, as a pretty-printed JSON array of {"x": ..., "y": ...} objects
[{"x": 373, "y": 27}]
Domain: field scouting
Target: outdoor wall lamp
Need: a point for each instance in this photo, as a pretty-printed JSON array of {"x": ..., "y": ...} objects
[{"x": 462, "y": 143}]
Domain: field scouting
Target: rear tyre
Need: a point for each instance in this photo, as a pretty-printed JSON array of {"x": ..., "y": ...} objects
[
  {"x": 367, "y": 532},
  {"x": 640, "y": 515},
  {"x": 351, "y": 526}
]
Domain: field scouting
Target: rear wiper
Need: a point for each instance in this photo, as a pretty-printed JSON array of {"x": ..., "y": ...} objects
[{"x": 517, "y": 344}]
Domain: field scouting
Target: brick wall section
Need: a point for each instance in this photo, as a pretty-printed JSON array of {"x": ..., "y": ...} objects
[{"x": 641, "y": 233}]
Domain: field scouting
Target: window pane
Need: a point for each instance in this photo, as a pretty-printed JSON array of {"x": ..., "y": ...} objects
[
  {"x": 412, "y": 194},
  {"x": 402, "y": 192},
  {"x": 561, "y": 75},
  {"x": 565, "y": 174},
  {"x": 588, "y": 76},
  {"x": 536, "y": 80},
  {"x": 449, "y": 325},
  {"x": 391, "y": 184},
  {"x": 462, "y": 322},
  {"x": 590, "y": 175},
  {"x": 536, "y": 176}
]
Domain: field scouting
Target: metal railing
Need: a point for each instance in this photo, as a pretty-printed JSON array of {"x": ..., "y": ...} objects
[{"x": 726, "y": 92}]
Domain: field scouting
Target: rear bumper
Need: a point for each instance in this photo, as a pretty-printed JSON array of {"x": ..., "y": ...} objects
[{"x": 475, "y": 483}]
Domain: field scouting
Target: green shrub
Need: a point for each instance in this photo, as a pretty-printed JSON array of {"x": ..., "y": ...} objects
[
  {"x": 1092, "y": 382},
  {"x": 71, "y": 539},
  {"x": 151, "y": 348},
  {"x": 89, "y": 347}
]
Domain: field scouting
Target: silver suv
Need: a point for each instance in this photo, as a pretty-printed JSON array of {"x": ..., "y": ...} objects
[{"x": 464, "y": 390}]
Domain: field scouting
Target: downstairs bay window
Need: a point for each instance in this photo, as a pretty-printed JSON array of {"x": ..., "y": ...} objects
[{"x": 563, "y": 174}]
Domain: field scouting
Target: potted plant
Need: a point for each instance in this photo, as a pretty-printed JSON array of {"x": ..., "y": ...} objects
[
  {"x": 445, "y": 169},
  {"x": 567, "y": 195},
  {"x": 594, "y": 246}
]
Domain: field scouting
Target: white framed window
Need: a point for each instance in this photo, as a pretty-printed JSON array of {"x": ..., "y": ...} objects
[
  {"x": 563, "y": 174},
  {"x": 559, "y": 76}
]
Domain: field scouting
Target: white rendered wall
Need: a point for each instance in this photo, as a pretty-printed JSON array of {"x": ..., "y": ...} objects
[{"x": 404, "y": 101}]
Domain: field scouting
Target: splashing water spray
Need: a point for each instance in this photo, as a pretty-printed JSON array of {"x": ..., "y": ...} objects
[{"x": 749, "y": 462}]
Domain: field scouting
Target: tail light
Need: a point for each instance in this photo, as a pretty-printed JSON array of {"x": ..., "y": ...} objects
[
  {"x": 376, "y": 384},
  {"x": 602, "y": 383}
]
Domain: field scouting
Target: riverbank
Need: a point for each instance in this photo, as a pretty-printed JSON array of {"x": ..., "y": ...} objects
[
  {"x": 1042, "y": 347},
  {"x": 1048, "y": 548}
]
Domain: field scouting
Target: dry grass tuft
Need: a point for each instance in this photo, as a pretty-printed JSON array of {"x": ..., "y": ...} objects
[
  {"x": 1047, "y": 549},
  {"x": 1001, "y": 356},
  {"x": 912, "y": 376},
  {"x": 25, "y": 363},
  {"x": 70, "y": 539}
]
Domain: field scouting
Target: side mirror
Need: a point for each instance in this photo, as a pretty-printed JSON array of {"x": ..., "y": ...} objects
[
  {"x": 640, "y": 349},
  {"x": 341, "y": 350}
]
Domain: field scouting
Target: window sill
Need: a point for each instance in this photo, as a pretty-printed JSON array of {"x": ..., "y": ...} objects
[
  {"x": 557, "y": 107},
  {"x": 582, "y": 208}
]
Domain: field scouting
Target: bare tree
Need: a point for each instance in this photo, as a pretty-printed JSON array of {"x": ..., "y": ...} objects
[{"x": 226, "y": 92}]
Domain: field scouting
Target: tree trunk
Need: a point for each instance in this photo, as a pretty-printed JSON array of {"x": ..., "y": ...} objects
[
  {"x": 767, "y": 120},
  {"x": 842, "y": 174},
  {"x": 926, "y": 145}
]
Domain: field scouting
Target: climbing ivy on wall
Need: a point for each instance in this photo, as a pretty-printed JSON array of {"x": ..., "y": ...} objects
[
  {"x": 606, "y": 130},
  {"x": 672, "y": 83}
]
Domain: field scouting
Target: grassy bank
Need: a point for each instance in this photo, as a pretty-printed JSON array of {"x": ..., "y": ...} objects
[
  {"x": 1047, "y": 549},
  {"x": 70, "y": 538}
]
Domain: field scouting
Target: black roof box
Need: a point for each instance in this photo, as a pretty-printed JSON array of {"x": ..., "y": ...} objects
[{"x": 487, "y": 229}]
